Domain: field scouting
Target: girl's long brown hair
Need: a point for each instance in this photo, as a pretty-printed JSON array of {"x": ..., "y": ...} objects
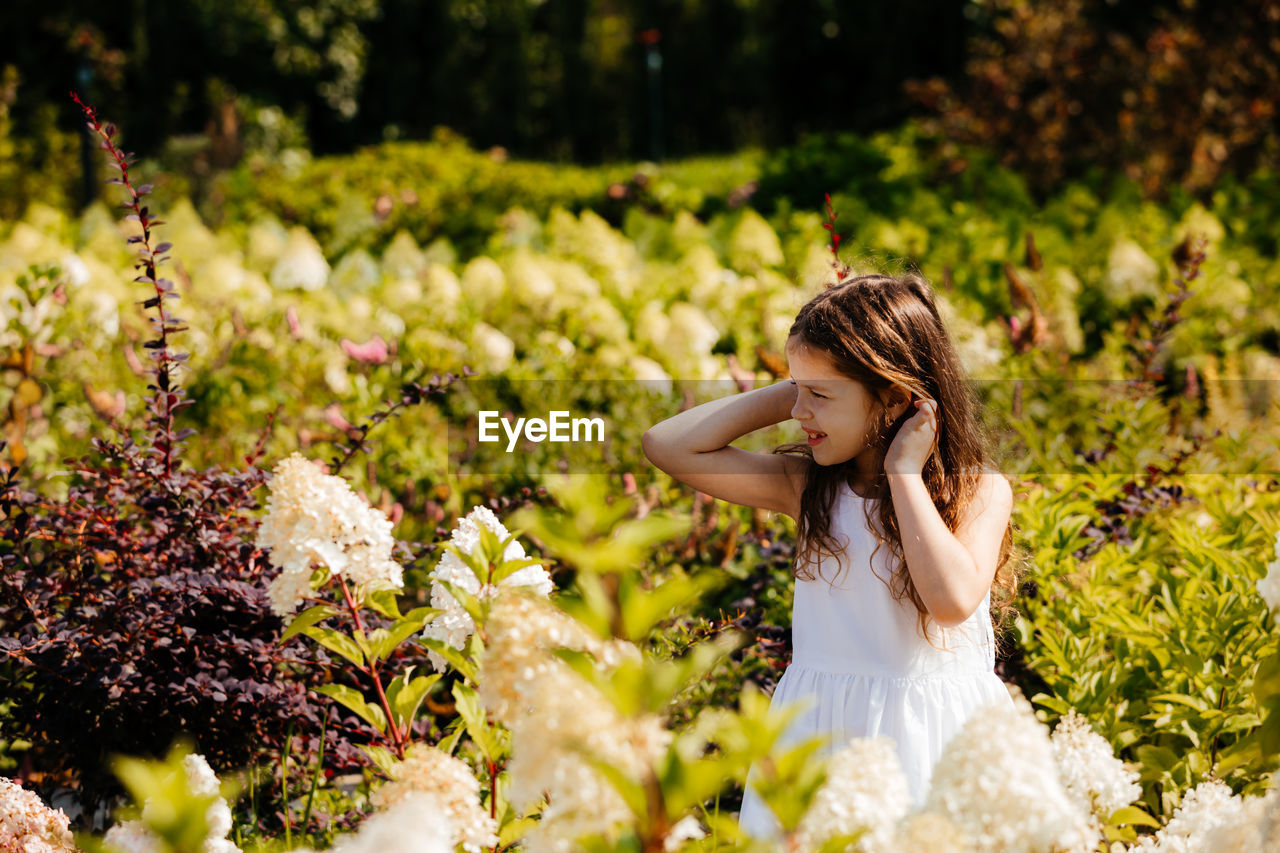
[{"x": 884, "y": 330}]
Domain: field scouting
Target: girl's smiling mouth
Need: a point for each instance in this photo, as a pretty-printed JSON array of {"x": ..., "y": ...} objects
[{"x": 814, "y": 436}]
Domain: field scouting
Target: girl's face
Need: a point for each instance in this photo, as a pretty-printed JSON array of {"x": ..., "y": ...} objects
[{"x": 835, "y": 411}]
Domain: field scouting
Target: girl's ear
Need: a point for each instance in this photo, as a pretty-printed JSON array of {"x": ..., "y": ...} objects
[{"x": 901, "y": 402}]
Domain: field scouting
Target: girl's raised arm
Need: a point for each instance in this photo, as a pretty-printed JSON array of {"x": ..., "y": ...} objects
[{"x": 693, "y": 447}]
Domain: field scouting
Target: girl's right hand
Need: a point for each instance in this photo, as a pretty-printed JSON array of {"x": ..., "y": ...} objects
[{"x": 914, "y": 440}]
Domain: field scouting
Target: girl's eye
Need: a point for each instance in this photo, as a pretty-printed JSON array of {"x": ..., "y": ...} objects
[{"x": 814, "y": 393}]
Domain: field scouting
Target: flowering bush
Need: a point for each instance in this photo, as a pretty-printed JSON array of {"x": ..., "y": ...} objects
[
  {"x": 137, "y": 607},
  {"x": 28, "y": 825}
]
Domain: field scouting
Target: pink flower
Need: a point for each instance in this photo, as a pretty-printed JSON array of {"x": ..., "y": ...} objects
[
  {"x": 373, "y": 351},
  {"x": 295, "y": 328},
  {"x": 333, "y": 414}
]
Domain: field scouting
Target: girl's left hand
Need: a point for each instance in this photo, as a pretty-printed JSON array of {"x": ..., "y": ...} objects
[{"x": 914, "y": 440}]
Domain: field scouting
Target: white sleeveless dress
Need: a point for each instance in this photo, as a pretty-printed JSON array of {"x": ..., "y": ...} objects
[{"x": 860, "y": 655}]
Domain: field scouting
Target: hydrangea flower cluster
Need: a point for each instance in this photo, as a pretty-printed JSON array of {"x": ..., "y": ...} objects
[
  {"x": 865, "y": 789},
  {"x": 133, "y": 836},
  {"x": 415, "y": 824},
  {"x": 556, "y": 719},
  {"x": 453, "y": 625},
  {"x": 1090, "y": 772},
  {"x": 1206, "y": 807},
  {"x": 1269, "y": 586},
  {"x": 1257, "y": 825},
  {"x": 998, "y": 783},
  {"x": 450, "y": 780},
  {"x": 27, "y": 825},
  {"x": 314, "y": 517}
]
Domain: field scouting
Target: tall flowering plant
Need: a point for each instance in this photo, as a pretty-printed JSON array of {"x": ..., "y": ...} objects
[{"x": 333, "y": 549}]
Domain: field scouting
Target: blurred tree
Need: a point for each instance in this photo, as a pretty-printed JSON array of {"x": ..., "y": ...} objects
[
  {"x": 153, "y": 62},
  {"x": 562, "y": 79},
  {"x": 1168, "y": 93}
]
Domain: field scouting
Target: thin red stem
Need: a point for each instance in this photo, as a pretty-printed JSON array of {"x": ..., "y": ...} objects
[{"x": 397, "y": 739}]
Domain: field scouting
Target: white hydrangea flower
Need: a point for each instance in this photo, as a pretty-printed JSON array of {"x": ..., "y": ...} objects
[
  {"x": 1204, "y": 809},
  {"x": 1131, "y": 272},
  {"x": 441, "y": 288},
  {"x": 454, "y": 625},
  {"x": 1259, "y": 824},
  {"x": 691, "y": 327},
  {"x": 928, "y": 832},
  {"x": 1089, "y": 770},
  {"x": 865, "y": 789},
  {"x": 435, "y": 771},
  {"x": 315, "y": 518},
  {"x": 133, "y": 836},
  {"x": 556, "y": 719},
  {"x": 649, "y": 372},
  {"x": 753, "y": 244},
  {"x": 997, "y": 782},
  {"x": 1269, "y": 586},
  {"x": 483, "y": 281},
  {"x": 416, "y": 824},
  {"x": 522, "y": 628},
  {"x": 301, "y": 266},
  {"x": 75, "y": 270},
  {"x": 497, "y": 349},
  {"x": 685, "y": 829},
  {"x": 28, "y": 825}
]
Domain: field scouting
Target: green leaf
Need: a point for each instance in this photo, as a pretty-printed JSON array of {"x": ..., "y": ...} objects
[
  {"x": 1266, "y": 679},
  {"x": 478, "y": 566},
  {"x": 688, "y": 784},
  {"x": 337, "y": 642},
  {"x": 1156, "y": 760},
  {"x": 589, "y": 603},
  {"x": 382, "y": 758},
  {"x": 1131, "y": 816},
  {"x": 642, "y": 609},
  {"x": 452, "y": 656},
  {"x": 840, "y": 843},
  {"x": 384, "y": 641},
  {"x": 469, "y": 602},
  {"x": 383, "y": 601},
  {"x": 1181, "y": 699},
  {"x": 507, "y": 568},
  {"x": 490, "y": 555},
  {"x": 473, "y": 714},
  {"x": 450, "y": 743},
  {"x": 306, "y": 619},
  {"x": 422, "y": 615},
  {"x": 515, "y": 830},
  {"x": 353, "y": 700},
  {"x": 405, "y": 695}
]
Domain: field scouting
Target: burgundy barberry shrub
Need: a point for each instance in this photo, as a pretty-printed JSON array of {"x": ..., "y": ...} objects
[{"x": 136, "y": 608}]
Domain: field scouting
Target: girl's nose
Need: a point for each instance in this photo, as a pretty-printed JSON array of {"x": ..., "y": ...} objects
[{"x": 797, "y": 411}]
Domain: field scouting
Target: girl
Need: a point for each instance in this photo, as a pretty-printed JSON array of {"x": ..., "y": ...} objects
[{"x": 895, "y": 458}]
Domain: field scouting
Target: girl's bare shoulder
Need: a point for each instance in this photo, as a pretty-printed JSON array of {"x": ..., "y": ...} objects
[{"x": 994, "y": 491}]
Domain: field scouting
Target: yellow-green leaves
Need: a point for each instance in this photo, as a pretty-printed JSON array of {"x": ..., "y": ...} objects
[
  {"x": 405, "y": 695},
  {"x": 306, "y": 619},
  {"x": 591, "y": 535},
  {"x": 173, "y": 812},
  {"x": 352, "y": 699}
]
